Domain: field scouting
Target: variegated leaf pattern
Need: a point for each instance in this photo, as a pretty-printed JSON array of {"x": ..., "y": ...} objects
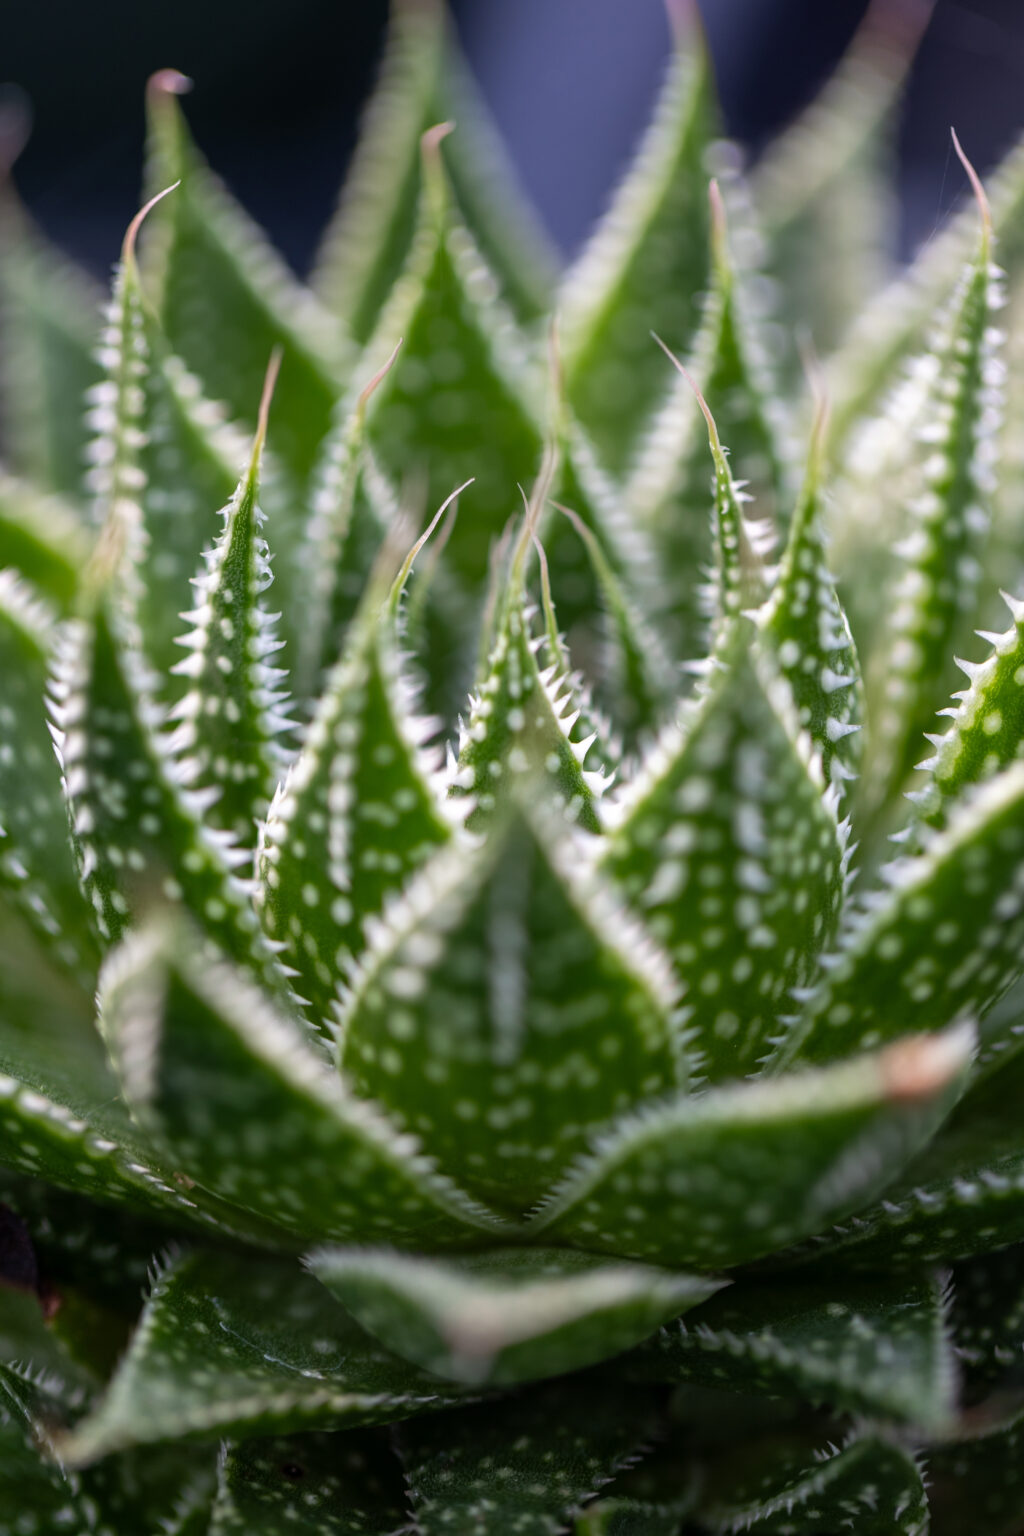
[{"x": 728, "y": 845}]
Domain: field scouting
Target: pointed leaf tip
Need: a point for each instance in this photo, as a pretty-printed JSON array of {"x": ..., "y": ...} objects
[
  {"x": 921, "y": 1066},
  {"x": 976, "y": 186},
  {"x": 688, "y": 376},
  {"x": 132, "y": 232},
  {"x": 407, "y": 564},
  {"x": 266, "y": 397},
  {"x": 382, "y": 372}
]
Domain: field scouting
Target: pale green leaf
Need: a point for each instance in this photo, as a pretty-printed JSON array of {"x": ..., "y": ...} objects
[
  {"x": 507, "y": 1008},
  {"x": 505, "y": 1314},
  {"x": 962, "y": 1195},
  {"x": 934, "y": 597},
  {"x": 646, "y": 265},
  {"x": 36, "y": 865},
  {"x": 987, "y": 726},
  {"x": 728, "y": 1176},
  {"x": 669, "y": 484}
]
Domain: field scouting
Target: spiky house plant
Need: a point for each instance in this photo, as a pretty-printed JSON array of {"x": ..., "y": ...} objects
[{"x": 598, "y": 1127}]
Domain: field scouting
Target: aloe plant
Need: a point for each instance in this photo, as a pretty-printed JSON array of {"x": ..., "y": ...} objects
[{"x": 506, "y": 1022}]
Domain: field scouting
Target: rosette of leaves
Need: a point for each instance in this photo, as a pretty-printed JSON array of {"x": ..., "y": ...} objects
[{"x": 564, "y": 1108}]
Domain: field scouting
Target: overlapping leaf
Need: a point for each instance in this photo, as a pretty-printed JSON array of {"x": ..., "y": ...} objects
[
  {"x": 506, "y": 1314},
  {"x": 879, "y": 1347},
  {"x": 424, "y": 81},
  {"x": 645, "y": 266},
  {"x": 726, "y": 1177},
  {"x": 226, "y": 300},
  {"x": 728, "y": 846},
  {"x": 509, "y": 1008},
  {"x": 230, "y": 1344},
  {"x": 249, "y": 1110}
]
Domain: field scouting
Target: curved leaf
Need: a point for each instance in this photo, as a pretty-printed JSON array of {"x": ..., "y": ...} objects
[
  {"x": 42, "y": 538},
  {"x": 731, "y": 1175},
  {"x": 506, "y": 1314},
  {"x": 879, "y": 1347}
]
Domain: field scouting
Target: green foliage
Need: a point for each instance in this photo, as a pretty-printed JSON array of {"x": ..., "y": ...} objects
[{"x": 550, "y": 1111}]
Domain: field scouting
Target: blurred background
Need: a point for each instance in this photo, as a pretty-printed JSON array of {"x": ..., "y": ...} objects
[{"x": 279, "y": 85}]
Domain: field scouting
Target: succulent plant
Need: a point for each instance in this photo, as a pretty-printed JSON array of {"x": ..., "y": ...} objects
[{"x": 555, "y": 1071}]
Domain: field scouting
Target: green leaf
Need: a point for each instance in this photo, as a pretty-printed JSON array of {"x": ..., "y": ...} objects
[
  {"x": 360, "y": 810},
  {"x": 728, "y": 846},
  {"x": 821, "y": 186},
  {"x": 234, "y": 1344},
  {"x": 226, "y": 300},
  {"x": 977, "y": 1482},
  {"x": 645, "y": 266},
  {"x": 35, "y": 856},
  {"x": 806, "y": 628},
  {"x": 896, "y": 324},
  {"x": 138, "y": 828},
  {"x": 668, "y": 486},
  {"x": 458, "y": 404},
  {"x": 507, "y": 1008},
  {"x": 960, "y": 1196},
  {"x": 526, "y": 721},
  {"x": 235, "y": 708},
  {"x": 312, "y": 1485},
  {"x": 248, "y": 1110},
  {"x": 522, "y": 1465},
  {"x": 987, "y": 723},
  {"x": 944, "y": 941},
  {"x": 423, "y": 81},
  {"x": 353, "y": 507},
  {"x": 506, "y": 1314},
  {"x": 626, "y": 656},
  {"x": 867, "y": 1486},
  {"x": 934, "y": 598},
  {"x": 42, "y": 538},
  {"x": 877, "y": 1347},
  {"x": 726, "y": 1177},
  {"x": 50, "y": 321}
]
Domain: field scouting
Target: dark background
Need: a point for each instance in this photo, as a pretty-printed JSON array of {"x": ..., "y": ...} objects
[{"x": 279, "y": 84}]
